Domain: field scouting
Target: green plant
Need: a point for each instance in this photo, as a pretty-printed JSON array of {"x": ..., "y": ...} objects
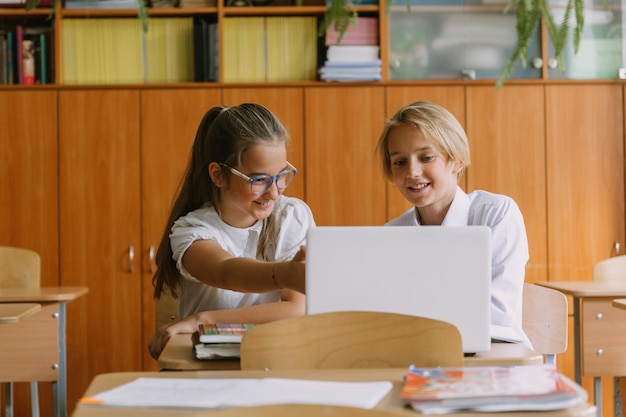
[{"x": 529, "y": 15}]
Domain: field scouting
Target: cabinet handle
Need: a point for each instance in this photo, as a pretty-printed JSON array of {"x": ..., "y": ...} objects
[
  {"x": 617, "y": 247},
  {"x": 131, "y": 258},
  {"x": 537, "y": 63},
  {"x": 552, "y": 63},
  {"x": 151, "y": 256}
]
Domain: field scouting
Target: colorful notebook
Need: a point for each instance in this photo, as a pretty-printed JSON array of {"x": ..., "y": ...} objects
[{"x": 223, "y": 332}]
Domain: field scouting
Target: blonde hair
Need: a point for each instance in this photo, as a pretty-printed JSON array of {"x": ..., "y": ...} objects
[{"x": 437, "y": 125}]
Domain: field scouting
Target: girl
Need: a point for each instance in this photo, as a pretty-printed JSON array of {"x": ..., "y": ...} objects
[
  {"x": 423, "y": 150},
  {"x": 232, "y": 250}
]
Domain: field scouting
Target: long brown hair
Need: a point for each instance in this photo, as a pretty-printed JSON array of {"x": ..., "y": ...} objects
[{"x": 223, "y": 136}]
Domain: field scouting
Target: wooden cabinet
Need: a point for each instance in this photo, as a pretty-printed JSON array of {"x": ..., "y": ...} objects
[
  {"x": 29, "y": 194},
  {"x": 99, "y": 200},
  {"x": 343, "y": 181},
  {"x": 90, "y": 184}
]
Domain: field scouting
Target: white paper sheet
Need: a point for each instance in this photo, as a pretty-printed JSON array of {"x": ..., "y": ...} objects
[{"x": 239, "y": 392}]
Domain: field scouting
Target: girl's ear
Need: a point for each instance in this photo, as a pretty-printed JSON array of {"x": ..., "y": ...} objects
[{"x": 215, "y": 172}]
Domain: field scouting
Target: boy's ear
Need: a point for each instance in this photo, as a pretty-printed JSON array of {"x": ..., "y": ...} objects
[
  {"x": 458, "y": 168},
  {"x": 215, "y": 172}
]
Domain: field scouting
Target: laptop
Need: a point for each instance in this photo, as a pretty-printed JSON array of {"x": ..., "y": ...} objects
[{"x": 431, "y": 271}]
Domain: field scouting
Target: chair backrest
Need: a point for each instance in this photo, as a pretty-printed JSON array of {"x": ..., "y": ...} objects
[
  {"x": 166, "y": 310},
  {"x": 303, "y": 410},
  {"x": 544, "y": 320},
  {"x": 19, "y": 268},
  {"x": 351, "y": 339},
  {"x": 610, "y": 269}
]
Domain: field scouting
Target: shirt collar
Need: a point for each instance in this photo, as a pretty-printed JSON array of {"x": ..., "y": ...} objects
[{"x": 458, "y": 213}]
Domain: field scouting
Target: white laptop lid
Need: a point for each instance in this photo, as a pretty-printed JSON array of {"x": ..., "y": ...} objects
[{"x": 437, "y": 272}]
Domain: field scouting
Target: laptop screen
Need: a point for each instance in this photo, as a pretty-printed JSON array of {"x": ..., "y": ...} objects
[{"x": 437, "y": 272}]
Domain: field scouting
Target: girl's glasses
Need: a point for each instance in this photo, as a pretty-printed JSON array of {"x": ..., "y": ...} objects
[{"x": 261, "y": 183}]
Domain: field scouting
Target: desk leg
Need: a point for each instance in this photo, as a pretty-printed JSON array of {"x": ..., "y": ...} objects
[
  {"x": 617, "y": 396},
  {"x": 597, "y": 395},
  {"x": 577, "y": 353},
  {"x": 61, "y": 387}
]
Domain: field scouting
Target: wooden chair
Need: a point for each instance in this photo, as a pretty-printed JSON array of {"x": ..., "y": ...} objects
[
  {"x": 610, "y": 269},
  {"x": 302, "y": 410},
  {"x": 351, "y": 339},
  {"x": 20, "y": 268},
  {"x": 544, "y": 320},
  {"x": 166, "y": 310}
]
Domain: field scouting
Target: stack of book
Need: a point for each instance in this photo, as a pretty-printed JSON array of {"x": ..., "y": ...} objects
[
  {"x": 353, "y": 55},
  {"x": 219, "y": 341},
  {"x": 25, "y": 56},
  {"x": 490, "y": 389}
]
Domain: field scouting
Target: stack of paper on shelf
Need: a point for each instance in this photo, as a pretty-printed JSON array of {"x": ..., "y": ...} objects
[
  {"x": 353, "y": 56},
  {"x": 351, "y": 63},
  {"x": 490, "y": 389}
]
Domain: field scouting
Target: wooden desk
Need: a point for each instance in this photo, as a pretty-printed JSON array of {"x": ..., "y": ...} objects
[
  {"x": 178, "y": 356},
  {"x": 599, "y": 333},
  {"x": 619, "y": 303},
  {"x": 392, "y": 403},
  {"x": 14, "y": 312},
  {"x": 36, "y": 346}
]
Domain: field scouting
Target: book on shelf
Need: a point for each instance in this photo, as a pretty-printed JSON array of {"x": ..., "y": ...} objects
[
  {"x": 24, "y": 56},
  {"x": 274, "y": 48},
  {"x": 364, "y": 31},
  {"x": 205, "y": 54},
  {"x": 490, "y": 389},
  {"x": 223, "y": 332},
  {"x": 117, "y": 51}
]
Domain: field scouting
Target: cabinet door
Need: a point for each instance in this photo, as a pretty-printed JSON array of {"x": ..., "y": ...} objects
[
  {"x": 99, "y": 224},
  {"x": 286, "y": 103},
  {"x": 452, "y": 98},
  {"x": 585, "y": 160},
  {"x": 508, "y": 157},
  {"x": 344, "y": 183},
  {"x": 29, "y": 195},
  {"x": 169, "y": 120},
  {"x": 28, "y": 176}
]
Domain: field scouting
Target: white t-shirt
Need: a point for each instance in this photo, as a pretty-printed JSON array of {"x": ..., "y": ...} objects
[
  {"x": 509, "y": 253},
  {"x": 204, "y": 224}
]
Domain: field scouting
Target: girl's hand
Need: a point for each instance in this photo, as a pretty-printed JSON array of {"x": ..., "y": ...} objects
[{"x": 166, "y": 331}]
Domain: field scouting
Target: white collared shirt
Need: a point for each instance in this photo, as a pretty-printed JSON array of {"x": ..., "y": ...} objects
[
  {"x": 205, "y": 224},
  {"x": 509, "y": 253}
]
